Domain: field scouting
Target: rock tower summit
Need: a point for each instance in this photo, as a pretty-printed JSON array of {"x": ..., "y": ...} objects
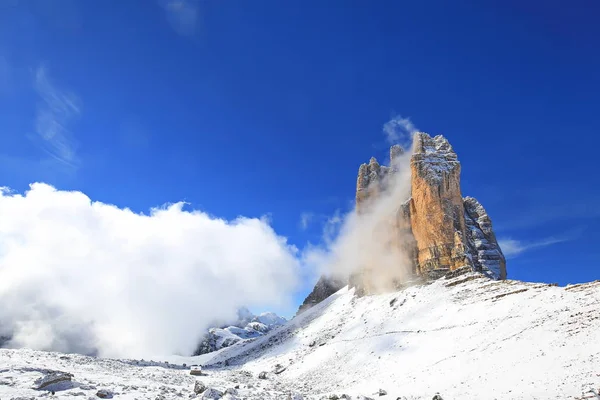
[
  {"x": 429, "y": 229},
  {"x": 439, "y": 229}
]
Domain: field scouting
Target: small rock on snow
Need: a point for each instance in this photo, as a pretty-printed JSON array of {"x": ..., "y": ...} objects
[
  {"x": 199, "y": 387},
  {"x": 104, "y": 394},
  {"x": 231, "y": 391},
  {"x": 212, "y": 393},
  {"x": 51, "y": 378}
]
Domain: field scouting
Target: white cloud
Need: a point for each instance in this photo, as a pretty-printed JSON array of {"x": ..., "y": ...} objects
[
  {"x": 305, "y": 219},
  {"x": 354, "y": 241},
  {"x": 77, "y": 275},
  {"x": 512, "y": 247},
  {"x": 56, "y": 110},
  {"x": 399, "y": 130},
  {"x": 182, "y": 15}
]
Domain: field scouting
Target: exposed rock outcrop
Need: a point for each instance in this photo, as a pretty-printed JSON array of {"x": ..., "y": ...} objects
[
  {"x": 325, "y": 287},
  {"x": 436, "y": 206},
  {"x": 52, "y": 378},
  {"x": 373, "y": 177},
  {"x": 433, "y": 228},
  {"x": 485, "y": 253}
]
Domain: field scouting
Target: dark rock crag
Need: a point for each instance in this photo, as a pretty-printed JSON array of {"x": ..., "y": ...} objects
[{"x": 324, "y": 288}]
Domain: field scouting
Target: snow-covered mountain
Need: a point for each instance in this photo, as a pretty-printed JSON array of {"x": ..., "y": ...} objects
[
  {"x": 247, "y": 326},
  {"x": 450, "y": 326},
  {"x": 464, "y": 337}
]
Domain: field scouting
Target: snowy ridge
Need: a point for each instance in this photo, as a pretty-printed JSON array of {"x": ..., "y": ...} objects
[
  {"x": 466, "y": 337},
  {"x": 248, "y": 326}
]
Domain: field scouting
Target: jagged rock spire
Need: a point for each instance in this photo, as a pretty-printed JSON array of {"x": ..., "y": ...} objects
[{"x": 436, "y": 229}]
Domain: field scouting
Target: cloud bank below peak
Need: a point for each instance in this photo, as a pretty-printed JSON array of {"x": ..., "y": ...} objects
[{"x": 89, "y": 277}]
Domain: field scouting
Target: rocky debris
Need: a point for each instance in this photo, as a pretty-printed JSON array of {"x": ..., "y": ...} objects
[
  {"x": 199, "y": 387},
  {"x": 87, "y": 387},
  {"x": 51, "y": 378},
  {"x": 382, "y": 392},
  {"x": 262, "y": 375},
  {"x": 104, "y": 394},
  {"x": 212, "y": 393},
  {"x": 325, "y": 287},
  {"x": 294, "y": 396},
  {"x": 458, "y": 272},
  {"x": 279, "y": 369},
  {"x": 463, "y": 280},
  {"x": 437, "y": 397},
  {"x": 231, "y": 391}
]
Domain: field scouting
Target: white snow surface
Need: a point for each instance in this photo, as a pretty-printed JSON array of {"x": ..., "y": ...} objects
[{"x": 468, "y": 337}]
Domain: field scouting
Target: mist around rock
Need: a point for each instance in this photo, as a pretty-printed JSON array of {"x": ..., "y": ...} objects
[{"x": 369, "y": 237}]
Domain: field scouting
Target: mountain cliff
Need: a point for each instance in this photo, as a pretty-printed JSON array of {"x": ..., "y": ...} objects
[{"x": 430, "y": 229}]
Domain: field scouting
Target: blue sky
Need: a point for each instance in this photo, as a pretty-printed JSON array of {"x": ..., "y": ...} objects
[{"x": 265, "y": 107}]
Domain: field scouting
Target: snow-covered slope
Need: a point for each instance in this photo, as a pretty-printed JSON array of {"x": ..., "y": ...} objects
[{"x": 467, "y": 337}]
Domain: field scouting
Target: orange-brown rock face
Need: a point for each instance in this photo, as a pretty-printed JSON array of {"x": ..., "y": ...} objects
[
  {"x": 435, "y": 230},
  {"x": 437, "y": 210},
  {"x": 426, "y": 233}
]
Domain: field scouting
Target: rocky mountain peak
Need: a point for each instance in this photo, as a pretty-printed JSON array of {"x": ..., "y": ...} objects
[
  {"x": 433, "y": 159},
  {"x": 435, "y": 228}
]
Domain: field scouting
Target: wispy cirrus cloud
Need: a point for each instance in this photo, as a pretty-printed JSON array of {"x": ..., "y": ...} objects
[
  {"x": 56, "y": 110},
  {"x": 513, "y": 247},
  {"x": 182, "y": 15}
]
